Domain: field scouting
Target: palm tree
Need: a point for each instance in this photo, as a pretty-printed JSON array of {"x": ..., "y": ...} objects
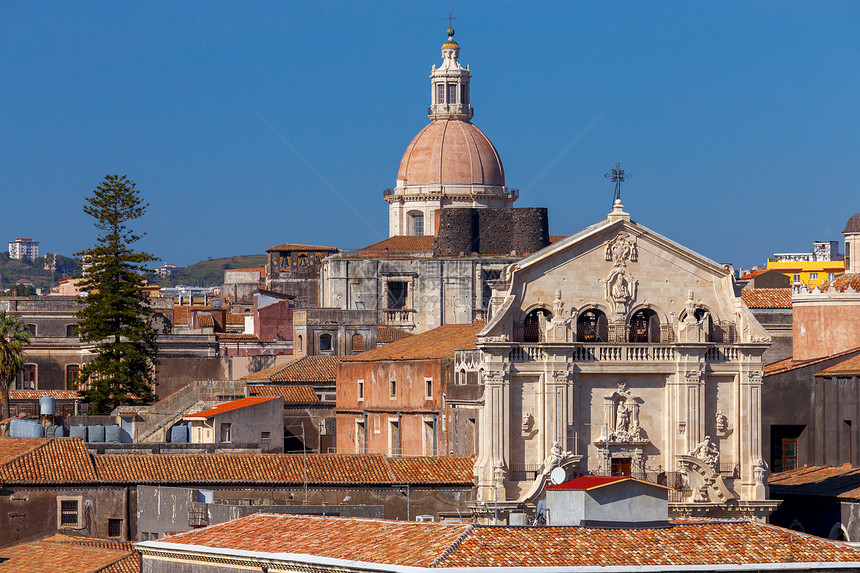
[{"x": 13, "y": 336}]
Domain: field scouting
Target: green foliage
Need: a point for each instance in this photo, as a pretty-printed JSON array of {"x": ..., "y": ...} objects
[
  {"x": 209, "y": 272},
  {"x": 13, "y": 337},
  {"x": 116, "y": 317},
  {"x": 11, "y": 270}
]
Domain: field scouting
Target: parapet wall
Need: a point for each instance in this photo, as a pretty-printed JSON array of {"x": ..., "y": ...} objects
[{"x": 496, "y": 231}]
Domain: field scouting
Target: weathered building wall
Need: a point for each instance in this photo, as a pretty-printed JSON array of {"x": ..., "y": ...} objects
[
  {"x": 825, "y": 324},
  {"x": 351, "y": 331},
  {"x": 495, "y": 231},
  {"x": 248, "y": 424}
]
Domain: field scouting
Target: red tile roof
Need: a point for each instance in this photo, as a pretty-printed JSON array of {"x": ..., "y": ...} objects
[
  {"x": 850, "y": 367},
  {"x": 63, "y": 554},
  {"x": 438, "y": 343},
  {"x": 235, "y": 337},
  {"x": 556, "y": 238},
  {"x": 45, "y": 461},
  {"x": 446, "y": 545},
  {"x": 309, "y": 369},
  {"x": 400, "y": 244},
  {"x": 753, "y": 274},
  {"x": 300, "y": 247},
  {"x": 230, "y": 406},
  {"x": 387, "y": 334},
  {"x": 586, "y": 483},
  {"x": 36, "y": 394},
  {"x": 842, "y": 283},
  {"x": 789, "y": 364},
  {"x": 767, "y": 297},
  {"x": 282, "y": 469},
  {"x": 266, "y": 373},
  {"x": 842, "y": 482},
  {"x": 205, "y": 320},
  {"x": 236, "y": 318},
  {"x": 291, "y": 394}
]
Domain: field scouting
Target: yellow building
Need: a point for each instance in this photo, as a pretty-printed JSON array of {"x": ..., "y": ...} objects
[{"x": 810, "y": 269}]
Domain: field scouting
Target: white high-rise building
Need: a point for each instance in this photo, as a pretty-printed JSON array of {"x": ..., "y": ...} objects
[{"x": 23, "y": 248}]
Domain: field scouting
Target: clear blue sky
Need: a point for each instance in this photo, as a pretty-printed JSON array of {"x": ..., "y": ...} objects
[{"x": 740, "y": 121}]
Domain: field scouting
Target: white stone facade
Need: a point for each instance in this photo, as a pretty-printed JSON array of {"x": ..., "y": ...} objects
[{"x": 632, "y": 352}]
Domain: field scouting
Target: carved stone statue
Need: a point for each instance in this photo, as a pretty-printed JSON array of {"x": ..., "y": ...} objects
[
  {"x": 622, "y": 417},
  {"x": 721, "y": 421},
  {"x": 760, "y": 471},
  {"x": 558, "y": 305},
  {"x": 557, "y": 457},
  {"x": 690, "y": 304},
  {"x": 707, "y": 452},
  {"x": 621, "y": 249}
]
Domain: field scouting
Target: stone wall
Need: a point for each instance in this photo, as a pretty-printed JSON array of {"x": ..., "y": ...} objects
[{"x": 491, "y": 231}]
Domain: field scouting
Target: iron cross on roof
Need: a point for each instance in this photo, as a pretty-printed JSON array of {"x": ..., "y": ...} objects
[
  {"x": 618, "y": 177},
  {"x": 450, "y": 19}
]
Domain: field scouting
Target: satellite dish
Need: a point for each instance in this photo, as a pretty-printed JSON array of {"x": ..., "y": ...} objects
[{"x": 557, "y": 476}]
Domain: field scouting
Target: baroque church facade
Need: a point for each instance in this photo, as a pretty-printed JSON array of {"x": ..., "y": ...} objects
[{"x": 617, "y": 351}]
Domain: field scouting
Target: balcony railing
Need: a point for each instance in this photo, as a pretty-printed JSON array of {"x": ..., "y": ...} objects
[{"x": 399, "y": 317}]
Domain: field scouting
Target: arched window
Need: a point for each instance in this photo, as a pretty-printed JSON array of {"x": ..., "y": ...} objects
[
  {"x": 592, "y": 326},
  {"x": 325, "y": 342},
  {"x": 644, "y": 326},
  {"x": 533, "y": 323},
  {"x": 301, "y": 343},
  {"x": 357, "y": 343}
]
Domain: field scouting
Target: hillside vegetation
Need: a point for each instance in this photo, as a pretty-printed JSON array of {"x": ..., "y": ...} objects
[{"x": 210, "y": 272}]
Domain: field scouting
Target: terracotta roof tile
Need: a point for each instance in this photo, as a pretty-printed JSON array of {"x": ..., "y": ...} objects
[
  {"x": 387, "y": 334},
  {"x": 291, "y": 394},
  {"x": 556, "y": 238},
  {"x": 266, "y": 373},
  {"x": 205, "y": 320},
  {"x": 441, "y": 342},
  {"x": 55, "y": 554},
  {"x": 790, "y": 364},
  {"x": 767, "y": 297},
  {"x": 236, "y": 318},
  {"x": 850, "y": 367},
  {"x": 300, "y": 247},
  {"x": 51, "y": 461},
  {"x": 36, "y": 394},
  {"x": 369, "y": 540},
  {"x": 842, "y": 283},
  {"x": 753, "y": 274},
  {"x": 827, "y": 481},
  {"x": 445, "y": 545},
  {"x": 279, "y": 469},
  {"x": 400, "y": 244},
  {"x": 236, "y": 337},
  {"x": 230, "y": 406},
  {"x": 309, "y": 369}
]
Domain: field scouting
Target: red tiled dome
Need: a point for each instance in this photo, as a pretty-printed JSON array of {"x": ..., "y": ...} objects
[{"x": 451, "y": 152}]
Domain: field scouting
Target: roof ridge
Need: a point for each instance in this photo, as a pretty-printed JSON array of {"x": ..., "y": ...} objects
[
  {"x": 31, "y": 451},
  {"x": 460, "y": 538},
  {"x": 388, "y": 468}
]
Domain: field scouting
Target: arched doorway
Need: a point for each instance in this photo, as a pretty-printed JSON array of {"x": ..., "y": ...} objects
[
  {"x": 592, "y": 326},
  {"x": 532, "y": 325},
  {"x": 644, "y": 326}
]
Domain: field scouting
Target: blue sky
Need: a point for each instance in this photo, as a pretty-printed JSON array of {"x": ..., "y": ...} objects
[{"x": 738, "y": 120}]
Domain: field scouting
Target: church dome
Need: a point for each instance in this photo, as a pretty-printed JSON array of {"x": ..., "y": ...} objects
[
  {"x": 451, "y": 152},
  {"x": 853, "y": 225}
]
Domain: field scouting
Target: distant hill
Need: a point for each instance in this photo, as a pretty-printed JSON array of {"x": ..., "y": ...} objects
[
  {"x": 12, "y": 270},
  {"x": 210, "y": 272}
]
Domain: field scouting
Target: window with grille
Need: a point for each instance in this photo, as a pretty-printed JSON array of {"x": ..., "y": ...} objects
[
  {"x": 114, "y": 528},
  {"x": 73, "y": 372},
  {"x": 69, "y": 512},
  {"x": 418, "y": 224},
  {"x": 452, "y": 93},
  {"x": 440, "y": 93}
]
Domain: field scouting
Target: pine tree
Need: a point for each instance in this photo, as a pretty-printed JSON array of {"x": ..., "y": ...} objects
[{"x": 116, "y": 316}]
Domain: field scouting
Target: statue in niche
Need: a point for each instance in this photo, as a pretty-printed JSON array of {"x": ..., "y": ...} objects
[
  {"x": 707, "y": 452},
  {"x": 721, "y": 421},
  {"x": 622, "y": 417},
  {"x": 620, "y": 289},
  {"x": 690, "y": 304}
]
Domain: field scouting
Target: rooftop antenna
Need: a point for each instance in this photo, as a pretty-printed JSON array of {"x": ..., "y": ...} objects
[{"x": 618, "y": 177}]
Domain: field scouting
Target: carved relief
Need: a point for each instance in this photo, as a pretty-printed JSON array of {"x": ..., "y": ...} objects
[
  {"x": 760, "y": 471},
  {"x": 621, "y": 249},
  {"x": 620, "y": 289},
  {"x": 707, "y": 452},
  {"x": 755, "y": 376},
  {"x": 721, "y": 422},
  {"x": 622, "y": 417},
  {"x": 557, "y": 457}
]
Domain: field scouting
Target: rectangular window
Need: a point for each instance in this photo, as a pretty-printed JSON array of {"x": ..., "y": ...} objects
[
  {"x": 428, "y": 388},
  {"x": 71, "y": 330},
  {"x": 265, "y": 435},
  {"x": 69, "y": 509},
  {"x": 31, "y": 328},
  {"x": 398, "y": 292},
  {"x": 392, "y": 387},
  {"x": 813, "y": 276},
  {"x": 73, "y": 372},
  {"x": 29, "y": 377},
  {"x": 452, "y": 93},
  {"x": 464, "y": 94},
  {"x": 621, "y": 466},
  {"x": 360, "y": 437},
  {"x": 784, "y": 447},
  {"x": 360, "y": 390},
  {"x": 226, "y": 431},
  {"x": 440, "y": 93},
  {"x": 796, "y": 277},
  {"x": 830, "y": 276},
  {"x": 418, "y": 224},
  {"x": 394, "y": 438},
  {"x": 114, "y": 528}
]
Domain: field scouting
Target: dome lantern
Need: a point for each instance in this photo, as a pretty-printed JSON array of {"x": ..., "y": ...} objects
[{"x": 449, "y": 83}]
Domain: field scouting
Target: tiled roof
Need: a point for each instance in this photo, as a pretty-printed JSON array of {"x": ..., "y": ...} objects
[
  {"x": 45, "y": 461},
  {"x": 63, "y": 554},
  {"x": 309, "y": 369},
  {"x": 182, "y": 313},
  {"x": 299, "y": 247},
  {"x": 235, "y": 337},
  {"x": 236, "y": 318},
  {"x": 789, "y": 364},
  {"x": 205, "y": 320},
  {"x": 328, "y": 469},
  {"x": 842, "y": 283},
  {"x": 827, "y": 481},
  {"x": 443, "y": 545},
  {"x": 400, "y": 244},
  {"x": 387, "y": 334},
  {"x": 753, "y": 274},
  {"x": 767, "y": 297},
  {"x": 291, "y": 394},
  {"x": 850, "y": 367},
  {"x": 36, "y": 394},
  {"x": 441, "y": 342},
  {"x": 556, "y": 238},
  {"x": 230, "y": 406},
  {"x": 266, "y": 373},
  {"x": 368, "y": 540}
]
